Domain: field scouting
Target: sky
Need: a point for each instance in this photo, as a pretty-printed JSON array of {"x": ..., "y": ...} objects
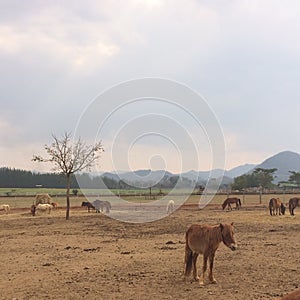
[{"x": 60, "y": 61}]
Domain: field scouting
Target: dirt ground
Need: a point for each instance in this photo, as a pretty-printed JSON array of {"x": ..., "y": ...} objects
[{"x": 92, "y": 256}]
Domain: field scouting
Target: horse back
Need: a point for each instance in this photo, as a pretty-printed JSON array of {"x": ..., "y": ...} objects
[
  {"x": 294, "y": 201},
  {"x": 200, "y": 238},
  {"x": 274, "y": 203}
]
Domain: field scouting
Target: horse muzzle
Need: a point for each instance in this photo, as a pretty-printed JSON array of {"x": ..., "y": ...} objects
[{"x": 233, "y": 247}]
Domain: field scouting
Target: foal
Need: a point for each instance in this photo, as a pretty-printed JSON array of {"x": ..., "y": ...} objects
[{"x": 205, "y": 239}]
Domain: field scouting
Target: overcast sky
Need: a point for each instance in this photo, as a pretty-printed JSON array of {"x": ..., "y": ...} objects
[{"x": 242, "y": 56}]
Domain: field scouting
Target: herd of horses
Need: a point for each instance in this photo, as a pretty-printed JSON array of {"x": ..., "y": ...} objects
[
  {"x": 199, "y": 239},
  {"x": 205, "y": 240},
  {"x": 276, "y": 206},
  {"x": 43, "y": 203}
]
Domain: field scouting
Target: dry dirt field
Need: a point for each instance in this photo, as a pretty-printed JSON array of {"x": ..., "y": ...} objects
[{"x": 92, "y": 256}]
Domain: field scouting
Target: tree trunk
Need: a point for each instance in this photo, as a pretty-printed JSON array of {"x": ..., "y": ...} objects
[{"x": 68, "y": 196}]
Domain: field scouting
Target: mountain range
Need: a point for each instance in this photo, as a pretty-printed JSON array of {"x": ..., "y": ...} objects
[{"x": 284, "y": 162}]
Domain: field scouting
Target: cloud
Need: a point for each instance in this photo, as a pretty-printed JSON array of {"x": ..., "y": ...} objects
[{"x": 243, "y": 56}]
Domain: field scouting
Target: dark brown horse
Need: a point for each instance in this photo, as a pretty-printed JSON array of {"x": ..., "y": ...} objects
[
  {"x": 230, "y": 201},
  {"x": 276, "y": 207},
  {"x": 293, "y": 203},
  {"x": 205, "y": 239},
  {"x": 89, "y": 205}
]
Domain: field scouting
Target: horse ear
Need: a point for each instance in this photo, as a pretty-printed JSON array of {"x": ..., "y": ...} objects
[
  {"x": 232, "y": 224},
  {"x": 221, "y": 226}
]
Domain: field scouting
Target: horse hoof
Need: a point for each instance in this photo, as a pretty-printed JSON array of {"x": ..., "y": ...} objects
[
  {"x": 214, "y": 281},
  {"x": 201, "y": 283}
]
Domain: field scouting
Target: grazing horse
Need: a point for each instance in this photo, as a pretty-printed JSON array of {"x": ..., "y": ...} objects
[
  {"x": 295, "y": 295},
  {"x": 170, "y": 207},
  {"x": 293, "y": 203},
  {"x": 43, "y": 199},
  {"x": 205, "y": 239},
  {"x": 44, "y": 207},
  {"x": 54, "y": 205},
  {"x": 5, "y": 207},
  {"x": 107, "y": 205},
  {"x": 101, "y": 204},
  {"x": 276, "y": 207},
  {"x": 89, "y": 205},
  {"x": 229, "y": 201}
]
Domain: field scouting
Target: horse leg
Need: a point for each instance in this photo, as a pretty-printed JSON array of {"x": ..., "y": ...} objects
[
  {"x": 229, "y": 206},
  {"x": 195, "y": 273},
  {"x": 201, "y": 280},
  {"x": 211, "y": 265}
]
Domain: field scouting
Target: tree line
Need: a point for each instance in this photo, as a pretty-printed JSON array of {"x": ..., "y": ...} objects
[
  {"x": 263, "y": 178},
  {"x": 17, "y": 178}
]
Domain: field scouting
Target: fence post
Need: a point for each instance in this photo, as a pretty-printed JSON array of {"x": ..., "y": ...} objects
[{"x": 260, "y": 194}]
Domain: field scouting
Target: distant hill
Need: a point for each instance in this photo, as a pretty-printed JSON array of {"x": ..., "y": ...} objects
[
  {"x": 228, "y": 175},
  {"x": 240, "y": 170},
  {"x": 145, "y": 176},
  {"x": 284, "y": 162}
]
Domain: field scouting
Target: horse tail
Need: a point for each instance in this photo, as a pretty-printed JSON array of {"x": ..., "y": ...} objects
[
  {"x": 240, "y": 202},
  {"x": 188, "y": 256}
]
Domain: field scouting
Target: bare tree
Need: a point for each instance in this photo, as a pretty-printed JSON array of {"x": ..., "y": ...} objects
[{"x": 70, "y": 157}]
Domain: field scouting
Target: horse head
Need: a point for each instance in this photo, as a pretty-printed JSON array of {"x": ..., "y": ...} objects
[
  {"x": 228, "y": 236},
  {"x": 224, "y": 205}
]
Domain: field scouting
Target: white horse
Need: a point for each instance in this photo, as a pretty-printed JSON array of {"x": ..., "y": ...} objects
[
  {"x": 44, "y": 207},
  {"x": 5, "y": 207},
  {"x": 170, "y": 207}
]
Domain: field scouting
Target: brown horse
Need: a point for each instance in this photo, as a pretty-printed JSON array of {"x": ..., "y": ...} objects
[
  {"x": 276, "y": 207},
  {"x": 205, "y": 239},
  {"x": 54, "y": 204},
  {"x": 293, "y": 203},
  {"x": 295, "y": 295},
  {"x": 230, "y": 201}
]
